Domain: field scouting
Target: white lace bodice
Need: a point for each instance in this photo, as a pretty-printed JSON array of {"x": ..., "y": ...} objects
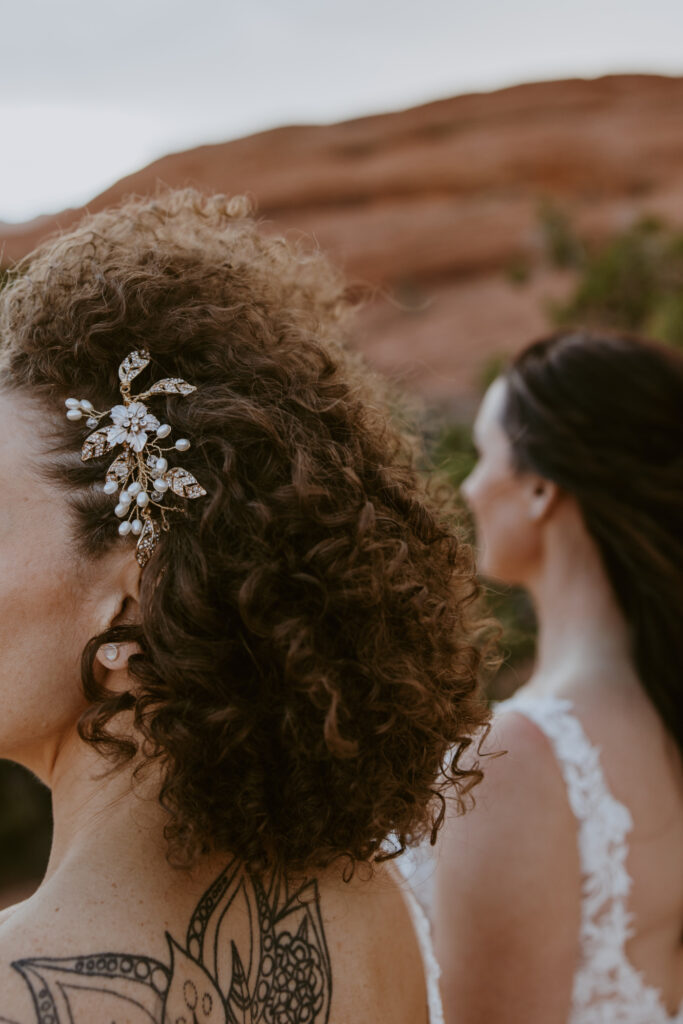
[{"x": 607, "y": 988}]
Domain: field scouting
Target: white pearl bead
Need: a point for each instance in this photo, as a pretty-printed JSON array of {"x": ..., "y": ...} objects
[
  {"x": 74, "y": 414},
  {"x": 124, "y": 528},
  {"x": 120, "y": 511},
  {"x": 161, "y": 485},
  {"x": 125, "y": 497},
  {"x": 182, "y": 444},
  {"x": 161, "y": 465},
  {"x": 164, "y": 430},
  {"x": 87, "y": 405},
  {"x": 134, "y": 488},
  {"x": 73, "y": 403},
  {"x": 142, "y": 499},
  {"x": 136, "y": 526},
  {"x": 111, "y": 487}
]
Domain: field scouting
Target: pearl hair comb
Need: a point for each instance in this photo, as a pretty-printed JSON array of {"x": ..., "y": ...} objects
[{"x": 140, "y": 473}]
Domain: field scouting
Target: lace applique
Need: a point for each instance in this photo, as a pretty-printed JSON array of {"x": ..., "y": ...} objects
[{"x": 607, "y": 988}]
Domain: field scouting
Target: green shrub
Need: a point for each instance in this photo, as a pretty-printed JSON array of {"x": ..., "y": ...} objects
[
  {"x": 562, "y": 246},
  {"x": 666, "y": 319},
  {"x": 492, "y": 368},
  {"x": 452, "y": 452},
  {"x": 634, "y": 282},
  {"x": 518, "y": 271}
]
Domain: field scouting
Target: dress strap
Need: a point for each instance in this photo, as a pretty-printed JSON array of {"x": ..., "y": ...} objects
[
  {"x": 431, "y": 967},
  {"x": 603, "y": 828}
]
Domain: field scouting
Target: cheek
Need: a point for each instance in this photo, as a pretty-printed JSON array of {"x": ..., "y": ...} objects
[
  {"x": 42, "y": 633},
  {"x": 507, "y": 540}
]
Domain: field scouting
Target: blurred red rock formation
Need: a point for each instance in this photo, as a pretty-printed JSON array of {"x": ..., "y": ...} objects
[{"x": 436, "y": 204}]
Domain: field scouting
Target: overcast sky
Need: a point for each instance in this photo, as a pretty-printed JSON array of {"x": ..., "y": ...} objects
[{"x": 93, "y": 91}]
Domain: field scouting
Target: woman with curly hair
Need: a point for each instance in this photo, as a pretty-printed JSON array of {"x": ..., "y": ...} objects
[
  {"x": 565, "y": 882},
  {"x": 235, "y": 630}
]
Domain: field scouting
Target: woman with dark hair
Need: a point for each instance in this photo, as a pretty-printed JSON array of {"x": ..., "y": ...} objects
[
  {"x": 235, "y": 630},
  {"x": 565, "y": 885}
]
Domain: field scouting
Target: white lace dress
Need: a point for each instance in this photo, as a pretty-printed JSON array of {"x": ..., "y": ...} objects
[{"x": 607, "y": 988}]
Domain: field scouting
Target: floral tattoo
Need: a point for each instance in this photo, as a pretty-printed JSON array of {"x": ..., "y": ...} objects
[{"x": 281, "y": 974}]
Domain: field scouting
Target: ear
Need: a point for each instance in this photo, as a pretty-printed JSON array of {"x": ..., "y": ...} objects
[
  {"x": 123, "y": 610},
  {"x": 542, "y": 497}
]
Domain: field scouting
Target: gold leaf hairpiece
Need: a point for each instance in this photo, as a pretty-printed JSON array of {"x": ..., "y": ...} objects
[{"x": 140, "y": 473}]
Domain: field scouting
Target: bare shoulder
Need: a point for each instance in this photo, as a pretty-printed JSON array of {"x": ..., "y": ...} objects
[
  {"x": 521, "y": 825},
  {"x": 14, "y": 907},
  {"x": 250, "y": 942},
  {"x": 636, "y": 752},
  {"x": 522, "y": 778},
  {"x": 508, "y": 878},
  {"x": 609, "y": 703},
  {"x": 375, "y": 949}
]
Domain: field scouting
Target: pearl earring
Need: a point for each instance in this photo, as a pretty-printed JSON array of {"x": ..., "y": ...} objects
[{"x": 111, "y": 652}]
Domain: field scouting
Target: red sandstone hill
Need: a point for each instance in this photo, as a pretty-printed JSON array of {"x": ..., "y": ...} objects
[{"x": 436, "y": 203}]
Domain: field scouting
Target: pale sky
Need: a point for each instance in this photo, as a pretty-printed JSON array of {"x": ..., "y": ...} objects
[{"x": 91, "y": 91}]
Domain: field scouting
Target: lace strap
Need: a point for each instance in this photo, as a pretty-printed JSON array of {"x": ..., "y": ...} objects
[
  {"x": 429, "y": 961},
  {"x": 604, "y": 823}
]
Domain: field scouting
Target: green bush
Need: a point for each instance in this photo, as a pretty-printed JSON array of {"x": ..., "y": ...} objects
[
  {"x": 562, "y": 246},
  {"x": 665, "y": 321},
  {"x": 518, "y": 271},
  {"x": 452, "y": 451},
  {"x": 493, "y": 367},
  {"x": 634, "y": 282}
]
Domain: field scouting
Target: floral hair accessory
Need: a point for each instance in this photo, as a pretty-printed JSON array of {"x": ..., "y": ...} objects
[{"x": 140, "y": 473}]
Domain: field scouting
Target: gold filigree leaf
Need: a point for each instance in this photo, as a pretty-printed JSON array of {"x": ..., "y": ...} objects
[
  {"x": 184, "y": 484},
  {"x": 132, "y": 365},
  {"x": 120, "y": 468},
  {"x": 96, "y": 444},
  {"x": 170, "y": 386},
  {"x": 147, "y": 542},
  {"x": 192, "y": 994}
]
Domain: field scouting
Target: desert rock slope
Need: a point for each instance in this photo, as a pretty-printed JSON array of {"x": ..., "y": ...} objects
[{"x": 434, "y": 206}]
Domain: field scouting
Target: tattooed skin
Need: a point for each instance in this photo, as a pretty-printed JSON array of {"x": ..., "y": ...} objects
[{"x": 280, "y": 975}]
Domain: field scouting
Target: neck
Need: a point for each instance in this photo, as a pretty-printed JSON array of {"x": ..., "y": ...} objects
[
  {"x": 108, "y": 868},
  {"x": 109, "y": 847},
  {"x": 90, "y": 802},
  {"x": 101, "y": 817},
  {"x": 108, "y": 827},
  {"x": 582, "y": 632}
]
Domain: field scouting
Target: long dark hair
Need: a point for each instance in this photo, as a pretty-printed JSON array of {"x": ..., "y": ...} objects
[{"x": 602, "y": 416}]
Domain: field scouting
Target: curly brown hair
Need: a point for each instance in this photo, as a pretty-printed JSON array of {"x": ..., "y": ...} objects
[{"x": 308, "y": 647}]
